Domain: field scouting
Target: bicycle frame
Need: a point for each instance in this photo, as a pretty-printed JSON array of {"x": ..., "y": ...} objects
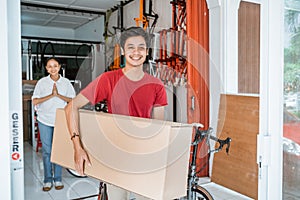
[
  {"x": 193, "y": 180},
  {"x": 200, "y": 135}
]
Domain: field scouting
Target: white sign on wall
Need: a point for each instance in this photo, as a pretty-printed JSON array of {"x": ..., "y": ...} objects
[{"x": 16, "y": 144}]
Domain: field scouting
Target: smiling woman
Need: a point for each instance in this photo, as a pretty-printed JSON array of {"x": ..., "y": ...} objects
[{"x": 51, "y": 92}]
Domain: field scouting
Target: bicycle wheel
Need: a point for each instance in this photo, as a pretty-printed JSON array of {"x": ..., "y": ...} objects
[
  {"x": 74, "y": 173},
  {"x": 203, "y": 193},
  {"x": 199, "y": 193}
]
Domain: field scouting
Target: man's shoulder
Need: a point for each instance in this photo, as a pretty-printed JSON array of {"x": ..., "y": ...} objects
[{"x": 110, "y": 75}]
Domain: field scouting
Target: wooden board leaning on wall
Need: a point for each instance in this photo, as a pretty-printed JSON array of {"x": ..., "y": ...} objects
[{"x": 239, "y": 120}]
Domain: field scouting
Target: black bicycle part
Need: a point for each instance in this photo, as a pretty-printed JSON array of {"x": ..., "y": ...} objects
[
  {"x": 43, "y": 59},
  {"x": 74, "y": 173},
  {"x": 101, "y": 106},
  {"x": 199, "y": 193},
  {"x": 39, "y": 49},
  {"x": 103, "y": 192},
  {"x": 89, "y": 47},
  {"x": 201, "y": 134}
]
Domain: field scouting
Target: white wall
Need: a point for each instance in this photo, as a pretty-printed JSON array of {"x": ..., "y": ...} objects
[
  {"x": 5, "y": 189},
  {"x": 48, "y": 32},
  {"x": 216, "y": 73},
  {"x": 92, "y": 31},
  {"x": 99, "y": 60}
]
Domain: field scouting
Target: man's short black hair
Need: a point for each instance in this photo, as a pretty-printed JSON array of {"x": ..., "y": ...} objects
[{"x": 133, "y": 32}]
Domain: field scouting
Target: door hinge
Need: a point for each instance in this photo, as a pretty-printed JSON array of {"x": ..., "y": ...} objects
[
  {"x": 193, "y": 102},
  {"x": 263, "y": 151}
]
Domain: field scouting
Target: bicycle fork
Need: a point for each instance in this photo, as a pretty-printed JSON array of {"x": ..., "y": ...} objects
[{"x": 193, "y": 181}]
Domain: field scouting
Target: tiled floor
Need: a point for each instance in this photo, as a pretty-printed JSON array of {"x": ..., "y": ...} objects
[
  {"x": 84, "y": 187},
  {"x": 74, "y": 187},
  {"x": 221, "y": 193}
]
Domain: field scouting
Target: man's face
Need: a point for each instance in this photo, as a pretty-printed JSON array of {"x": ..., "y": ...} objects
[{"x": 135, "y": 51}]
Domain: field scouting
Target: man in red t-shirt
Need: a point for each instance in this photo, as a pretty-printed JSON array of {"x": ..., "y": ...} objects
[
  {"x": 128, "y": 91},
  {"x": 140, "y": 98}
]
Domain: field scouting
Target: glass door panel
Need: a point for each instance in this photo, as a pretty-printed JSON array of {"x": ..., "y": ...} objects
[{"x": 291, "y": 126}]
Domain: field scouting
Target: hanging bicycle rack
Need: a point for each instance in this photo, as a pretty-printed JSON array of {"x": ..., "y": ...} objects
[
  {"x": 172, "y": 64},
  {"x": 72, "y": 54}
]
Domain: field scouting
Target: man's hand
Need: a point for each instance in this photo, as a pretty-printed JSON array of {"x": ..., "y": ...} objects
[{"x": 80, "y": 158}]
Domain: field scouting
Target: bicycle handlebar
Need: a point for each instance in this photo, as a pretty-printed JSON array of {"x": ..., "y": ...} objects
[
  {"x": 222, "y": 143},
  {"x": 201, "y": 134}
]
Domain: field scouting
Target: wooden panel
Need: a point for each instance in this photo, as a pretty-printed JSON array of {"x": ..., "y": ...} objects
[
  {"x": 249, "y": 48},
  {"x": 238, "y": 119},
  {"x": 26, "y": 119},
  {"x": 27, "y": 111}
]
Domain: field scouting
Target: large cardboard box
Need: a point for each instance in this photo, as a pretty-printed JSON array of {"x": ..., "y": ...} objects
[{"x": 148, "y": 157}]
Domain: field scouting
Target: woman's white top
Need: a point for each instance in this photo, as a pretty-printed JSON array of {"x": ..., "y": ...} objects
[{"x": 46, "y": 111}]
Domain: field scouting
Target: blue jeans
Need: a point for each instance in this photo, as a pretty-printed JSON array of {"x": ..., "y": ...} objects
[{"x": 46, "y": 135}]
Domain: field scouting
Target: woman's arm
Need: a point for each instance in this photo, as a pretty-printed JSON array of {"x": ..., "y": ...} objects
[
  {"x": 55, "y": 93},
  {"x": 37, "y": 101},
  {"x": 64, "y": 98}
]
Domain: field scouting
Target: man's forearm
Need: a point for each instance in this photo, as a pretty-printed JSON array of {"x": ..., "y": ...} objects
[
  {"x": 72, "y": 122},
  {"x": 72, "y": 116}
]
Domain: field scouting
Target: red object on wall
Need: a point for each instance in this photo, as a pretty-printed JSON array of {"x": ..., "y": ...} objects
[{"x": 198, "y": 70}]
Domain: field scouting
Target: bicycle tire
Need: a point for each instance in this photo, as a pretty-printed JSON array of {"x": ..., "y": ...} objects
[
  {"x": 200, "y": 193},
  {"x": 103, "y": 195},
  {"x": 206, "y": 195},
  {"x": 74, "y": 173}
]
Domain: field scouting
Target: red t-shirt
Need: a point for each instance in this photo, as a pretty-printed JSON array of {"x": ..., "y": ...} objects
[{"x": 127, "y": 97}]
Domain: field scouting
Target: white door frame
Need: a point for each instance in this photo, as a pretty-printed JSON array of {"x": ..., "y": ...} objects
[
  {"x": 11, "y": 142},
  {"x": 271, "y": 97},
  {"x": 4, "y": 107},
  {"x": 271, "y": 100},
  {"x": 223, "y": 67}
]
